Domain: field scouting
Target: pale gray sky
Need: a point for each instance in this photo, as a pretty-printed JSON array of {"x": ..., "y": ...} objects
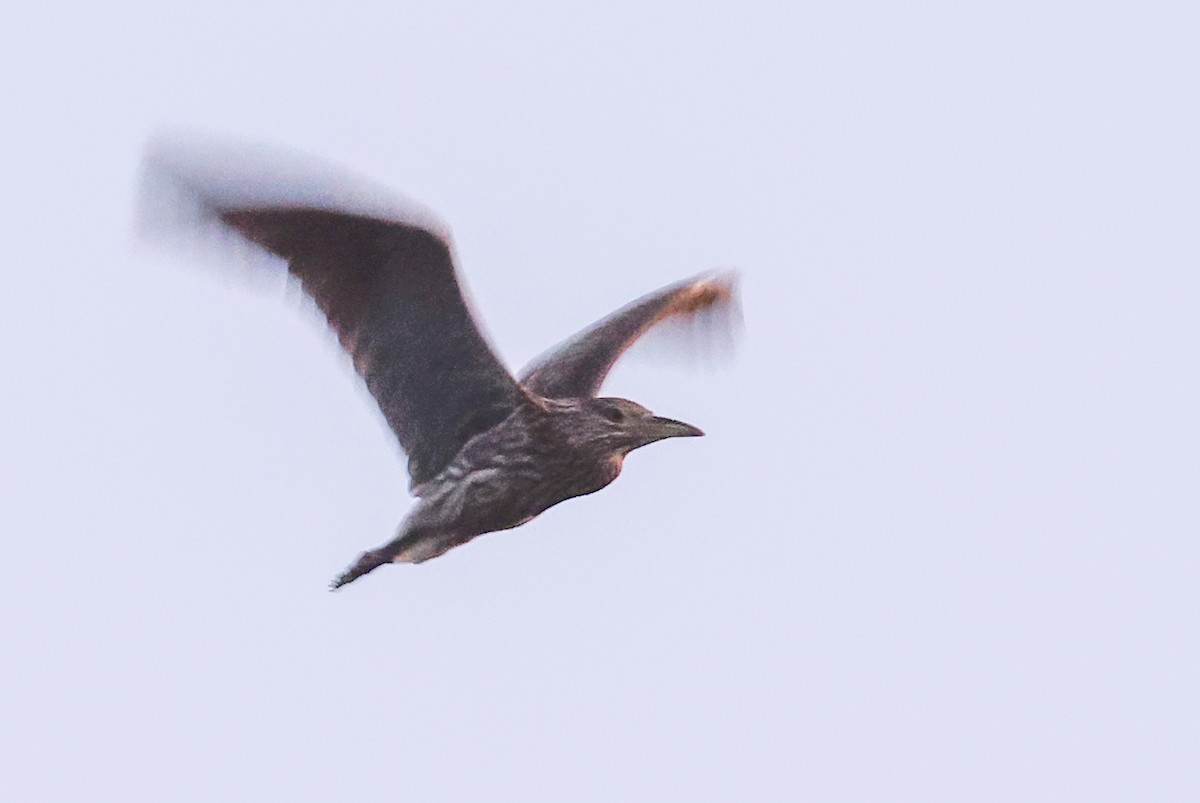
[{"x": 942, "y": 540}]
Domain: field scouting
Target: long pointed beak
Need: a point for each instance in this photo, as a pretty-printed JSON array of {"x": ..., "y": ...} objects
[{"x": 658, "y": 428}]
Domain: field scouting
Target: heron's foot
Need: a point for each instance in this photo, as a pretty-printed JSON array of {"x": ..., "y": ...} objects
[{"x": 367, "y": 562}]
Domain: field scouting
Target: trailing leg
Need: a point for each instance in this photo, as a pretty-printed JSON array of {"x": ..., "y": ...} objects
[{"x": 367, "y": 562}]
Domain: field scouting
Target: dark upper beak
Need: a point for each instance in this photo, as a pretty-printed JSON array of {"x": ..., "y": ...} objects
[{"x": 657, "y": 428}]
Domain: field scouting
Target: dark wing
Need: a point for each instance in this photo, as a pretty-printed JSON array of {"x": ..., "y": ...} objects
[
  {"x": 577, "y": 367},
  {"x": 389, "y": 292},
  {"x": 388, "y": 289}
]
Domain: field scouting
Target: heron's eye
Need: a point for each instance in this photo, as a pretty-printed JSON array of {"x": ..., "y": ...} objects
[{"x": 614, "y": 414}]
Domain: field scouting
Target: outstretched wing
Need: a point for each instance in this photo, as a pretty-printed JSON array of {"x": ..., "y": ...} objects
[
  {"x": 389, "y": 291},
  {"x": 577, "y": 367}
]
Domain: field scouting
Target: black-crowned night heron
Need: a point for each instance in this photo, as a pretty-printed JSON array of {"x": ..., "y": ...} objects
[{"x": 486, "y": 451}]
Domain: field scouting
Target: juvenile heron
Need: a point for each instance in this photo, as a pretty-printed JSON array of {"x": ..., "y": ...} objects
[{"x": 486, "y": 452}]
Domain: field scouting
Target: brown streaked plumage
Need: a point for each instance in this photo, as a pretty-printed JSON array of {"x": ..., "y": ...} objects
[{"x": 486, "y": 452}]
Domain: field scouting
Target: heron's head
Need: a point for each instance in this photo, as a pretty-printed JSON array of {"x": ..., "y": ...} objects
[{"x": 629, "y": 425}]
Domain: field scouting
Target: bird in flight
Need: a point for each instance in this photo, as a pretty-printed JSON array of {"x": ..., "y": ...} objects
[{"x": 486, "y": 451}]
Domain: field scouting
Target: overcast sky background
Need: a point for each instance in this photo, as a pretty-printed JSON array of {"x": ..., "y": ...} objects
[{"x": 941, "y": 543}]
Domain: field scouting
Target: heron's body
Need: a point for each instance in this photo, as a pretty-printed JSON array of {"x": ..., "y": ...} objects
[
  {"x": 546, "y": 452},
  {"x": 486, "y": 451},
  {"x": 504, "y": 477}
]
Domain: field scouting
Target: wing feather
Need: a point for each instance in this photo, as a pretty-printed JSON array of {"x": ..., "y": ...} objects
[
  {"x": 577, "y": 367},
  {"x": 389, "y": 290}
]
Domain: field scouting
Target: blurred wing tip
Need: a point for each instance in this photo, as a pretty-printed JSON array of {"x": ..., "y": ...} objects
[
  {"x": 719, "y": 287},
  {"x": 711, "y": 301},
  {"x": 191, "y": 178}
]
